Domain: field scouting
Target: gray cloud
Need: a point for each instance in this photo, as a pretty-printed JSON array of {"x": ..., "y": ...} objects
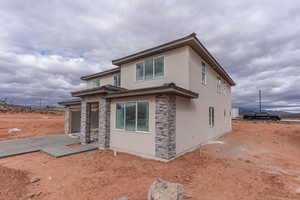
[{"x": 45, "y": 46}]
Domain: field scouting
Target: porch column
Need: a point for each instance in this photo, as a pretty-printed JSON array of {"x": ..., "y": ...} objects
[
  {"x": 165, "y": 124},
  {"x": 104, "y": 123},
  {"x": 67, "y": 120},
  {"x": 85, "y": 122}
]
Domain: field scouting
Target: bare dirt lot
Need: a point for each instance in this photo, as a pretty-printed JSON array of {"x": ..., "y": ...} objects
[
  {"x": 255, "y": 161},
  {"x": 31, "y": 124}
]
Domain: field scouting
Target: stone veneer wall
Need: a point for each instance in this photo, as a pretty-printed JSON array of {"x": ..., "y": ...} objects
[
  {"x": 104, "y": 123},
  {"x": 165, "y": 124},
  {"x": 85, "y": 126}
]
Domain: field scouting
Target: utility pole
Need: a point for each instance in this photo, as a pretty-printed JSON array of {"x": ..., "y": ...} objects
[{"x": 259, "y": 100}]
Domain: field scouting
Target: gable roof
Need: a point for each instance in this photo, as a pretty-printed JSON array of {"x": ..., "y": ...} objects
[
  {"x": 100, "y": 74},
  {"x": 190, "y": 40}
]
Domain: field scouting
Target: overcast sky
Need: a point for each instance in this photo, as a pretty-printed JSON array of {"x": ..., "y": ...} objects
[{"x": 45, "y": 46}]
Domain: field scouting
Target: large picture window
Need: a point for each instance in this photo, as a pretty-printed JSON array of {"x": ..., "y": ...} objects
[
  {"x": 150, "y": 68},
  {"x": 132, "y": 116}
]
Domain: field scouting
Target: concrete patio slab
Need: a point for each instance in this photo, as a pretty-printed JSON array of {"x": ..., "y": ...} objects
[
  {"x": 60, "y": 151},
  {"x": 55, "y": 145}
]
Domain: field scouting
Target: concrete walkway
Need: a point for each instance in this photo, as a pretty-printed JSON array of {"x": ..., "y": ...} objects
[{"x": 55, "y": 145}]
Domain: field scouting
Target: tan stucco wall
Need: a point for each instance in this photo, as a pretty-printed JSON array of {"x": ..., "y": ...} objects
[
  {"x": 104, "y": 80},
  {"x": 192, "y": 116},
  {"x": 175, "y": 71},
  {"x": 140, "y": 143}
]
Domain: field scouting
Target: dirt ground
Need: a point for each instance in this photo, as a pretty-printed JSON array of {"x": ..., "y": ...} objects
[
  {"x": 256, "y": 161},
  {"x": 31, "y": 124}
]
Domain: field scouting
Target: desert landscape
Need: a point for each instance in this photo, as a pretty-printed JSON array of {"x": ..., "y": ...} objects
[{"x": 254, "y": 161}]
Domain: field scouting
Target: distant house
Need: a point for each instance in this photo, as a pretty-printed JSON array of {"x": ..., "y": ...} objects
[{"x": 158, "y": 103}]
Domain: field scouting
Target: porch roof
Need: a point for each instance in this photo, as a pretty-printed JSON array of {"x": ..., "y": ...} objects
[
  {"x": 70, "y": 102},
  {"x": 106, "y": 89},
  {"x": 169, "y": 88}
]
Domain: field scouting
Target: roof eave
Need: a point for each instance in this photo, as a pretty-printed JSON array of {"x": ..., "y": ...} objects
[
  {"x": 100, "y": 74},
  {"x": 70, "y": 102},
  {"x": 191, "y": 41},
  {"x": 165, "y": 89}
]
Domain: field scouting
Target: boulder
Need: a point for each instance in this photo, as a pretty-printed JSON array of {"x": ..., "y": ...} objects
[{"x": 165, "y": 190}]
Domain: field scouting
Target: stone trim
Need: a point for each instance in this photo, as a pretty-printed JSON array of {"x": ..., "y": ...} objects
[
  {"x": 85, "y": 122},
  {"x": 104, "y": 123},
  {"x": 165, "y": 126}
]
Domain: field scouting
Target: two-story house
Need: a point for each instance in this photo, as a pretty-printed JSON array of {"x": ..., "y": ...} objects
[{"x": 157, "y": 103}]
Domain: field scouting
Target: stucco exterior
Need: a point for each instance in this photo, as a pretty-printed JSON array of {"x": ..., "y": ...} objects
[
  {"x": 194, "y": 113},
  {"x": 135, "y": 142},
  {"x": 175, "y": 72},
  {"x": 178, "y": 105}
]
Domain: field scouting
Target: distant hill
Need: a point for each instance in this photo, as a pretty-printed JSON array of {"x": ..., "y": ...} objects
[
  {"x": 20, "y": 108},
  {"x": 292, "y": 116}
]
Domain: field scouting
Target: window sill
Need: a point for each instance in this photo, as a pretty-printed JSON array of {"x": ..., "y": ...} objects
[
  {"x": 122, "y": 131},
  {"x": 156, "y": 78}
]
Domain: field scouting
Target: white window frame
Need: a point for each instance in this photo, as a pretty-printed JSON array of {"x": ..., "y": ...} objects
[
  {"x": 204, "y": 73},
  {"x": 118, "y": 80},
  {"x": 93, "y": 81},
  {"x": 224, "y": 88},
  {"x": 153, "y": 68},
  {"x": 136, "y": 114},
  {"x": 211, "y": 116},
  {"x": 219, "y": 82}
]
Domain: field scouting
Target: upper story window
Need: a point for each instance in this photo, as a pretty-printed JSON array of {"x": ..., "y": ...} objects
[
  {"x": 224, "y": 88},
  {"x": 150, "y": 68},
  {"x": 204, "y": 77},
  {"x": 117, "y": 80},
  {"x": 218, "y": 85},
  {"x": 95, "y": 83}
]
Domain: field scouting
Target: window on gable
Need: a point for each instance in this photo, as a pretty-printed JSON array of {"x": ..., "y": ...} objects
[
  {"x": 218, "y": 85},
  {"x": 150, "y": 68},
  {"x": 204, "y": 73},
  {"x": 117, "y": 80},
  {"x": 224, "y": 88},
  {"x": 95, "y": 83}
]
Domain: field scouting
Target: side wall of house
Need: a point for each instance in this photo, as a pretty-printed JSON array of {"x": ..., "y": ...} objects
[
  {"x": 192, "y": 116},
  {"x": 134, "y": 142},
  {"x": 176, "y": 71}
]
